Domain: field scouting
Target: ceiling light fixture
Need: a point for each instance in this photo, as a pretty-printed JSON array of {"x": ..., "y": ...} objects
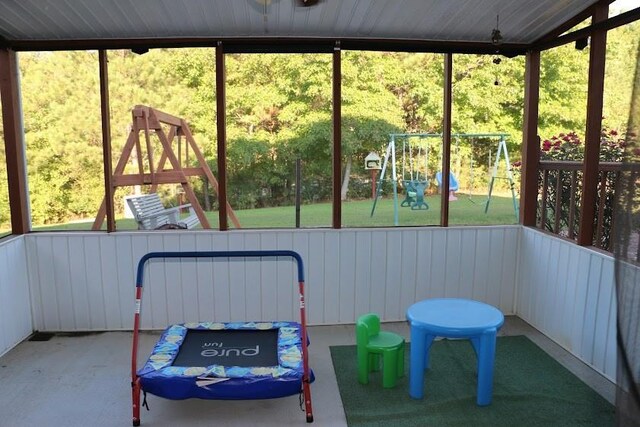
[
  {"x": 140, "y": 50},
  {"x": 582, "y": 43},
  {"x": 496, "y": 37},
  {"x": 496, "y": 40},
  {"x": 307, "y": 3}
]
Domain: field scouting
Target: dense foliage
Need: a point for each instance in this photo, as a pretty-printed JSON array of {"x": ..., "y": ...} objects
[{"x": 279, "y": 109}]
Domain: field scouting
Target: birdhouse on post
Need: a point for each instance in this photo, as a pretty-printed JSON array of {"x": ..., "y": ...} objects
[{"x": 372, "y": 163}]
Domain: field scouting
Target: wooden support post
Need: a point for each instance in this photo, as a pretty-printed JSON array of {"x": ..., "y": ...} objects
[
  {"x": 221, "y": 113},
  {"x": 137, "y": 114},
  {"x": 106, "y": 139},
  {"x": 531, "y": 142},
  {"x": 597, "y": 54},
  {"x": 206, "y": 170},
  {"x": 173, "y": 160},
  {"x": 163, "y": 158},
  {"x": 337, "y": 138},
  {"x": 119, "y": 170},
  {"x": 14, "y": 141},
  {"x": 446, "y": 139},
  {"x": 147, "y": 139}
]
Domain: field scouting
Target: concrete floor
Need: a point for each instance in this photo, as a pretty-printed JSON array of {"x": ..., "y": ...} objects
[{"x": 84, "y": 380}]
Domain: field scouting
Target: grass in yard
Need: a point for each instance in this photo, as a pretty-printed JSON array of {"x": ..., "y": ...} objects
[{"x": 354, "y": 214}]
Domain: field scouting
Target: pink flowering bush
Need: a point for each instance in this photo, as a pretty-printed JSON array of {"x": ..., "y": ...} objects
[{"x": 569, "y": 147}]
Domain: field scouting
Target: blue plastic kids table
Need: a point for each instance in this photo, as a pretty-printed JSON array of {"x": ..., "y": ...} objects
[{"x": 453, "y": 318}]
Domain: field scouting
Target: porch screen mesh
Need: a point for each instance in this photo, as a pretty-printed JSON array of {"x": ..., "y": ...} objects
[{"x": 627, "y": 253}]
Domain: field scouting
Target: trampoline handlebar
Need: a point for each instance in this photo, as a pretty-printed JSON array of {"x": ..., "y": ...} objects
[{"x": 220, "y": 254}]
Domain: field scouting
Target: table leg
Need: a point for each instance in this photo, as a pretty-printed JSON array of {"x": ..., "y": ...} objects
[
  {"x": 475, "y": 342},
  {"x": 486, "y": 359},
  {"x": 417, "y": 363},
  {"x": 428, "y": 340}
]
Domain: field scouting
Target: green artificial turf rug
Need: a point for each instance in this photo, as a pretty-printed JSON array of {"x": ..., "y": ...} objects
[{"x": 529, "y": 389}]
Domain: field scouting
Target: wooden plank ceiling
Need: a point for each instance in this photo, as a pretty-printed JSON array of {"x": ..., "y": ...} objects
[{"x": 451, "y": 21}]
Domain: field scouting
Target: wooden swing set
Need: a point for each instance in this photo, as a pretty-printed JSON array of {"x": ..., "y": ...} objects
[{"x": 149, "y": 120}]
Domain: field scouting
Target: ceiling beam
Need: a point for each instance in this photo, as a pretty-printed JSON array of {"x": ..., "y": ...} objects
[
  {"x": 271, "y": 45},
  {"x": 606, "y": 25},
  {"x": 569, "y": 24}
]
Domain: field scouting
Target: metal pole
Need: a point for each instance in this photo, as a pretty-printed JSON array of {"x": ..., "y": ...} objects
[{"x": 395, "y": 181}]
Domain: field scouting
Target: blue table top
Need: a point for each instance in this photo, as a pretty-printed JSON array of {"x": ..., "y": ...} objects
[{"x": 454, "y": 316}]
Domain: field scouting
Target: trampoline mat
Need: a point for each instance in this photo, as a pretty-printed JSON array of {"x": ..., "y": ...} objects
[
  {"x": 229, "y": 348},
  {"x": 236, "y": 360}
]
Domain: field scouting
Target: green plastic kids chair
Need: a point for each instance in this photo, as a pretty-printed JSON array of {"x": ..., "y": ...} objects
[{"x": 372, "y": 343}]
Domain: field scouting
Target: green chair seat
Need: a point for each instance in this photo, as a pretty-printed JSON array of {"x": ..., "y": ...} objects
[{"x": 385, "y": 340}]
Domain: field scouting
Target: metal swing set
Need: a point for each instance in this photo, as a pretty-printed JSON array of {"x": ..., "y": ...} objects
[
  {"x": 416, "y": 186},
  {"x": 493, "y": 163}
]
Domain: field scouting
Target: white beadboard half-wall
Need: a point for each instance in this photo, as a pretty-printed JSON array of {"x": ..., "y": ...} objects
[
  {"x": 568, "y": 293},
  {"x": 85, "y": 281},
  {"x": 15, "y": 306}
]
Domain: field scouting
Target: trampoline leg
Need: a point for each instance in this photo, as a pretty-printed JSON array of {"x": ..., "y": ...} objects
[
  {"x": 135, "y": 399},
  {"x": 306, "y": 389}
]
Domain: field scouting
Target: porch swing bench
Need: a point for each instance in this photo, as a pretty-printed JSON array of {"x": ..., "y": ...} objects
[{"x": 150, "y": 213}]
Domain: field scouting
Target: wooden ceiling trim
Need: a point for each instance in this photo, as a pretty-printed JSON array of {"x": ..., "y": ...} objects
[
  {"x": 271, "y": 45},
  {"x": 606, "y": 25}
]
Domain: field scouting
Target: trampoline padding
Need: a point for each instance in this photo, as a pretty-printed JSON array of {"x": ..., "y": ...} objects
[{"x": 205, "y": 360}]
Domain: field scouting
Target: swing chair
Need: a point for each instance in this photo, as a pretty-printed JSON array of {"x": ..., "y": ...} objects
[{"x": 414, "y": 186}]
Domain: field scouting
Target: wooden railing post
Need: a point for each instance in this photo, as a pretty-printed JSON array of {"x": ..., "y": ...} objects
[
  {"x": 14, "y": 141},
  {"x": 337, "y": 138},
  {"x": 106, "y": 139},
  {"x": 531, "y": 143},
  {"x": 595, "y": 91},
  {"x": 446, "y": 139},
  {"x": 221, "y": 117}
]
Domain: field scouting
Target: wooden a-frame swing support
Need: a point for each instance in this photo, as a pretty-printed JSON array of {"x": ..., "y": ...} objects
[{"x": 147, "y": 119}]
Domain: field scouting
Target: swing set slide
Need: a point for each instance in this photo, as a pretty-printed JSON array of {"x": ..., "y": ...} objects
[{"x": 453, "y": 182}]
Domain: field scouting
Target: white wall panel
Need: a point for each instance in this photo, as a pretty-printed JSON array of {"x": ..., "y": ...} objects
[
  {"x": 85, "y": 281},
  {"x": 15, "y": 306},
  {"x": 568, "y": 293}
]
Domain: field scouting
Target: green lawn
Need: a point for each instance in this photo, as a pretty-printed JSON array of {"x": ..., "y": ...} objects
[{"x": 463, "y": 211}]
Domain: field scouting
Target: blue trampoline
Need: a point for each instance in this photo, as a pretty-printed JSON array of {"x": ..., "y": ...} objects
[{"x": 237, "y": 360}]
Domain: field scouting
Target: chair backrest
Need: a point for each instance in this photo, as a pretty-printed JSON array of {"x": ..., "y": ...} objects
[{"x": 367, "y": 326}]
